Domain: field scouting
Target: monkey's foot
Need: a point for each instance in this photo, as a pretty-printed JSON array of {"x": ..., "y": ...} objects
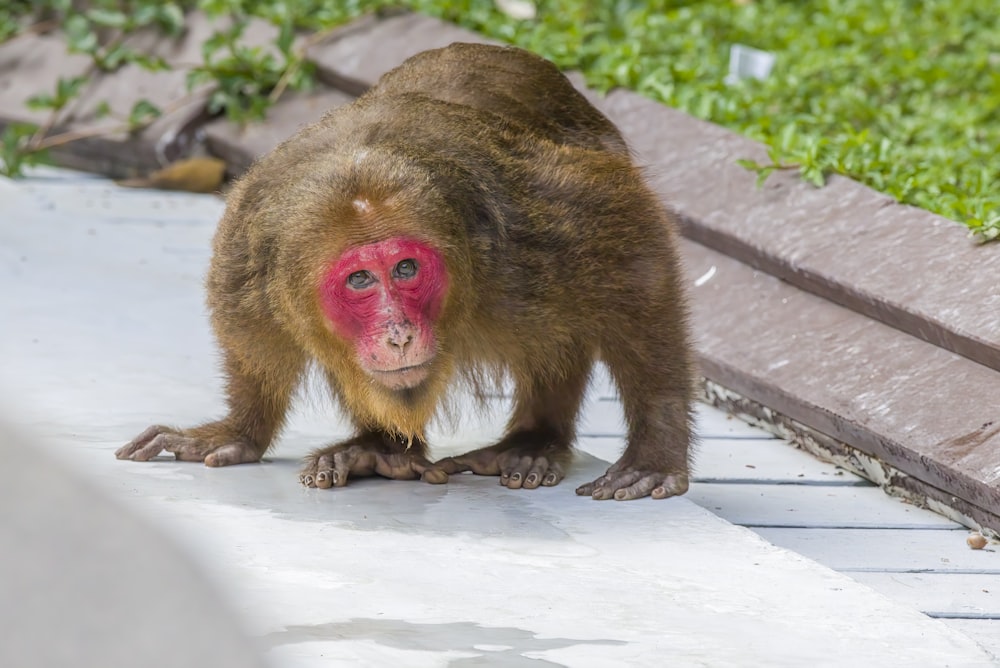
[
  {"x": 331, "y": 467},
  {"x": 624, "y": 483},
  {"x": 517, "y": 467},
  {"x": 187, "y": 447}
]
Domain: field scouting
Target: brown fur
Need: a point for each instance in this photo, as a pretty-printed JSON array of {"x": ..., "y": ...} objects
[{"x": 558, "y": 253}]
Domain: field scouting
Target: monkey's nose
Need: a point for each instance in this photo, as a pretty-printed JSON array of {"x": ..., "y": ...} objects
[{"x": 400, "y": 341}]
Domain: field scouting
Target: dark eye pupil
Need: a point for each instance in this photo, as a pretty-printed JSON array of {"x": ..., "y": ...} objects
[
  {"x": 359, "y": 279},
  {"x": 406, "y": 268}
]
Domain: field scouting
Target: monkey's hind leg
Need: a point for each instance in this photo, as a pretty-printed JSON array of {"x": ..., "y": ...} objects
[
  {"x": 370, "y": 453},
  {"x": 538, "y": 444},
  {"x": 651, "y": 364}
]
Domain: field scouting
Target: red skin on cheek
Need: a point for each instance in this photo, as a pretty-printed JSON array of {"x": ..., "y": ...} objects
[{"x": 392, "y": 304}]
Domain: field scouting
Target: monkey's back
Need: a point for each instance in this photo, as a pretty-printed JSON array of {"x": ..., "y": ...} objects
[
  {"x": 531, "y": 170},
  {"x": 507, "y": 82}
]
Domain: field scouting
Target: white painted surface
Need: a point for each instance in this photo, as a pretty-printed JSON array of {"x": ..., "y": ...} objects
[
  {"x": 104, "y": 332},
  {"x": 824, "y": 506}
]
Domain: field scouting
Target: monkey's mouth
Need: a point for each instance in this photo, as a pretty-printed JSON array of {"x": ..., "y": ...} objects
[{"x": 403, "y": 378}]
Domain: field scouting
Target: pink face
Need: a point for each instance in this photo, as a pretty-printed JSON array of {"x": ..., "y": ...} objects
[{"x": 385, "y": 297}]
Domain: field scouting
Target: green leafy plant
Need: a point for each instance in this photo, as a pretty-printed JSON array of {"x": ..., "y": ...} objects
[{"x": 902, "y": 96}]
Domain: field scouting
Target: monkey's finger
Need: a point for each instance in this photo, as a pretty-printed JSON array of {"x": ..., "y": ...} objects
[
  {"x": 352, "y": 461},
  {"x": 482, "y": 462},
  {"x": 232, "y": 453},
  {"x": 427, "y": 471},
  {"x": 613, "y": 483},
  {"x": 554, "y": 475},
  {"x": 673, "y": 485},
  {"x": 140, "y": 441},
  {"x": 513, "y": 476},
  {"x": 150, "y": 449},
  {"x": 323, "y": 477},
  {"x": 184, "y": 448},
  {"x": 639, "y": 489},
  {"x": 451, "y": 465},
  {"x": 539, "y": 467},
  {"x": 395, "y": 466}
]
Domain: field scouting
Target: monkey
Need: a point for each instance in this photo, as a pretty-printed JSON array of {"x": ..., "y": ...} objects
[{"x": 469, "y": 220}]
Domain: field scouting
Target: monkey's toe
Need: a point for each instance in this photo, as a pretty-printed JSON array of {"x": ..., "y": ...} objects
[
  {"x": 146, "y": 445},
  {"x": 527, "y": 472},
  {"x": 518, "y": 468},
  {"x": 232, "y": 453},
  {"x": 333, "y": 466},
  {"x": 628, "y": 484},
  {"x": 434, "y": 476}
]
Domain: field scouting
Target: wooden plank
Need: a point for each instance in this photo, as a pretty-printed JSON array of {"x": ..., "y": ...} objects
[
  {"x": 984, "y": 632},
  {"x": 814, "y": 506},
  {"x": 890, "y": 395},
  {"x": 940, "y": 593},
  {"x": 783, "y": 229},
  {"x": 893, "y": 550}
]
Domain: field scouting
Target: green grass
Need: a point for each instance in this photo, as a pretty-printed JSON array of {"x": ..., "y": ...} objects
[{"x": 903, "y": 96}]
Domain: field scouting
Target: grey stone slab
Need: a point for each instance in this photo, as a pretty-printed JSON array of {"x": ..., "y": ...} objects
[
  {"x": 924, "y": 410},
  {"x": 240, "y": 146},
  {"x": 32, "y": 65},
  {"x": 29, "y": 66},
  {"x": 901, "y": 265},
  {"x": 354, "y": 59}
]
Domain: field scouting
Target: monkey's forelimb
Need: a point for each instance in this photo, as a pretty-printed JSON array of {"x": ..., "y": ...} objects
[{"x": 213, "y": 444}]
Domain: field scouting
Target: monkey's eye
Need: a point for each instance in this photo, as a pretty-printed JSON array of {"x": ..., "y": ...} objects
[
  {"x": 360, "y": 279},
  {"x": 405, "y": 269}
]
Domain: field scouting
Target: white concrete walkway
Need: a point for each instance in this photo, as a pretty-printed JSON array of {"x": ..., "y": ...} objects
[{"x": 102, "y": 332}]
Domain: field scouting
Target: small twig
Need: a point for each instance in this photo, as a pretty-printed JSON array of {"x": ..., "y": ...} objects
[
  {"x": 73, "y": 135},
  {"x": 34, "y": 29}
]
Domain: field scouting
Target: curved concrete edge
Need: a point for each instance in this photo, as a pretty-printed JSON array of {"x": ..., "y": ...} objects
[{"x": 77, "y": 583}]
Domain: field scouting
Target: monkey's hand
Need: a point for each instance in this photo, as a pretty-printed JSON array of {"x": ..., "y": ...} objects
[
  {"x": 215, "y": 444},
  {"x": 364, "y": 456},
  {"x": 518, "y": 467},
  {"x": 624, "y": 482}
]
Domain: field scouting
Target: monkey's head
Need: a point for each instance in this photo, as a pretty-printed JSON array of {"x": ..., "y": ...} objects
[{"x": 385, "y": 297}]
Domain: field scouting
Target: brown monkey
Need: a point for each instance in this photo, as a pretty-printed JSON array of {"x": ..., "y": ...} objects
[{"x": 470, "y": 217}]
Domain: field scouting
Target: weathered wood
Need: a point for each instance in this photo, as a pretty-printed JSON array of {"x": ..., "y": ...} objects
[
  {"x": 899, "y": 399},
  {"x": 786, "y": 229}
]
